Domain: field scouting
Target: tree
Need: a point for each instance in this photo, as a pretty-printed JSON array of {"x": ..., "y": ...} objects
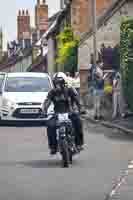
[{"x": 67, "y": 50}]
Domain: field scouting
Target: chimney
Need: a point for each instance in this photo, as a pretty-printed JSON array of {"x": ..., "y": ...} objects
[
  {"x": 38, "y": 2},
  {"x": 61, "y": 4},
  {"x": 41, "y": 16},
  {"x": 19, "y": 13},
  {"x": 43, "y": 1},
  {"x": 23, "y": 24}
]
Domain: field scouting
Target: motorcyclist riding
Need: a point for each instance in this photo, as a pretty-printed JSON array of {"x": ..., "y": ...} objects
[{"x": 63, "y": 99}]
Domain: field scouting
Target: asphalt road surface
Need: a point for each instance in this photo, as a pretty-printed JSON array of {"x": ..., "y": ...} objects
[{"x": 28, "y": 172}]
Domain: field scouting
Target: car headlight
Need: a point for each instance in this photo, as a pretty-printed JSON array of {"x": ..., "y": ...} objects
[
  {"x": 51, "y": 109},
  {"x": 8, "y": 103}
]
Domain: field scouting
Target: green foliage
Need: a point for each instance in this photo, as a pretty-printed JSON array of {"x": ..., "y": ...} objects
[
  {"x": 67, "y": 49},
  {"x": 126, "y": 57}
]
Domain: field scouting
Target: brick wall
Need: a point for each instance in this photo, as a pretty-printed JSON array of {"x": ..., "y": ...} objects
[
  {"x": 102, "y": 5},
  {"x": 81, "y": 13}
]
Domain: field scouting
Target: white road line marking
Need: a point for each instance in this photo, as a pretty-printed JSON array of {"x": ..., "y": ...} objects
[{"x": 118, "y": 184}]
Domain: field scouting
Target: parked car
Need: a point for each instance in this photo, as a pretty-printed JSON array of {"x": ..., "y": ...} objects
[
  {"x": 23, "y": 95},
  {"x": 2, "y": 78}
]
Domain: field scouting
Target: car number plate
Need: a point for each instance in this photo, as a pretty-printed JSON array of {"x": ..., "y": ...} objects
[{"x": 29, "y": 111}]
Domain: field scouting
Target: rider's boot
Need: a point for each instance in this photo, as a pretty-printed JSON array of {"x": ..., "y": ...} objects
[
  {"x": 53, "y": 150},
  {"x": 80, "y": 148}
]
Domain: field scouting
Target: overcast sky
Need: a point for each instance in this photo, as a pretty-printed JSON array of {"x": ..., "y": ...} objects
[{"x": 9, "y": 10}]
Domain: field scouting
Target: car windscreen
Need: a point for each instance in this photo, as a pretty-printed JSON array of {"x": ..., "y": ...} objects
[{"x": 27, "y": 84}]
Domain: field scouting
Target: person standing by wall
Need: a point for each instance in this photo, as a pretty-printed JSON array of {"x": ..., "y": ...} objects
[
  {"x": 98, "y": 94},
  {"x": 117, "y": 97},
  {"x": 76, "y": 82},
  {"x": 69, "y": 79}
]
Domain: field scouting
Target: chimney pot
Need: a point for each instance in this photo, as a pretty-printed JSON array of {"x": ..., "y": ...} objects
[
  {"x": 38, "y": 2},
  {"x": 19, "y": 12},
  {"x": 27, "y": 12}
]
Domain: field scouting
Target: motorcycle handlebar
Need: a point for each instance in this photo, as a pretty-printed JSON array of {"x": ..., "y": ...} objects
[{"x": 49, "y": 115}]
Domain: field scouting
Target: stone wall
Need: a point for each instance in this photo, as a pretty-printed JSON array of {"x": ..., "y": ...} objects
[
  {"x": 108, "y": 33},
  {"x": 51, "y": 55}
]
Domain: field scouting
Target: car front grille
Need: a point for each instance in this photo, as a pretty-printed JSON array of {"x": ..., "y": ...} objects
[
  {"x": 29, "y": 103},
  {"x": 17, "y": 114}
]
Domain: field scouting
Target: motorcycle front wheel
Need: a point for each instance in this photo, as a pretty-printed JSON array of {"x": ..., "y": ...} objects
[{"x": 66, "y": 155}]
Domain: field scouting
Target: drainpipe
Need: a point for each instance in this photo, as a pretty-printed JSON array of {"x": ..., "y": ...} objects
[{"x": 94, "y": 27}]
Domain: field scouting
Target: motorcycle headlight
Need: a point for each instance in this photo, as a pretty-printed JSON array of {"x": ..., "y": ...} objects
[{"x": 62, "y": 129}]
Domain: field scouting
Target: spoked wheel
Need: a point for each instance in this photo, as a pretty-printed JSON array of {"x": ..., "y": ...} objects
[
  {"x": 66, "y": 155},
  {"x": 70, "y": 158},
  {"x": 0, "y": 120}
]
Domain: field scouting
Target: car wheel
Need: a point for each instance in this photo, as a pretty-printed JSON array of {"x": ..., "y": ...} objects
[{"x": 0, "y": 120}]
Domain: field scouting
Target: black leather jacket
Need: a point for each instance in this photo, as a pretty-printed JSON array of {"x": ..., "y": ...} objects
[{"x": 63, "y": 100}]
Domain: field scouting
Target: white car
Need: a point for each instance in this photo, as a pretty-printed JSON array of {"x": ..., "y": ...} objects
[
  {"x": 23, "y": 95},
  {"x": 2, "y": 78}
]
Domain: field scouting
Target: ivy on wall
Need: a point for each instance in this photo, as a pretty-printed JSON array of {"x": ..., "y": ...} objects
[{"x": 126, "y": 58}]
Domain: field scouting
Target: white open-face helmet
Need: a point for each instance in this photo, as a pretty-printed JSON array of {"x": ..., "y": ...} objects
[
  {"x": 59, "y": 77},
  {"x": 60, "y": 74}
]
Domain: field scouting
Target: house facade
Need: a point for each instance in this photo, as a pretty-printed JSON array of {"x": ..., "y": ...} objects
[
  {"x": 62, "y": 19},
  {"x": 108, "y": 33},
  {"x": 17, "y": 63}
]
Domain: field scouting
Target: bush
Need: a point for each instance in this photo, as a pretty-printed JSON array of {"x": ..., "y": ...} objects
[
  {"x": 67, "y": 50},
  {"x": 126, "y": 59}
]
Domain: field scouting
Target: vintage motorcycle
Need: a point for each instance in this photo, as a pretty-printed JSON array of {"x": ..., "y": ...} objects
[{"x": 65, "y": 138}]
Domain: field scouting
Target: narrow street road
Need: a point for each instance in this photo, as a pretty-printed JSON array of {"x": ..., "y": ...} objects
[{"x": 28, "y": 172}]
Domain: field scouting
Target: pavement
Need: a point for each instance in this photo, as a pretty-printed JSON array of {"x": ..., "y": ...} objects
[
  {"x": 123, "y": 124},
  {"x": 27, "y": 171}
]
